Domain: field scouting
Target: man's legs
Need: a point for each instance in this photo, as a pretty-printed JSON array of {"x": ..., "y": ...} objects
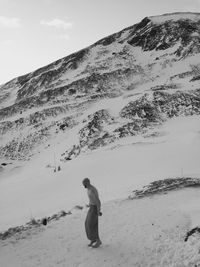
[{"x": 91, "y": 227}]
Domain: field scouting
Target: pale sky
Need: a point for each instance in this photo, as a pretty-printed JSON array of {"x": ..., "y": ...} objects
[{"x": 34, "y": 33}]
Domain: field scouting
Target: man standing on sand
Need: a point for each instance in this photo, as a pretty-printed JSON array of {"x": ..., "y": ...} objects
[{"x": 91, "y": 222}]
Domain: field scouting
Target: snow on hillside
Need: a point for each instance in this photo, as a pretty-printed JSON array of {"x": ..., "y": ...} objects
[
  {"x": 119, "y": 65},
  {"x": 123, "y": 112},
  {"x": 171, "y": 150},
  {"x": 141, "y": 232}
]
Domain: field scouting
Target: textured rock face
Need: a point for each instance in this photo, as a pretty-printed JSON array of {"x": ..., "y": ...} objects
[
  {"x": 163, "y": 186},
  {"x": 149, "y": 72},
  {"x": 93, "y": 134},
  {"x": 151, "y": 36}
]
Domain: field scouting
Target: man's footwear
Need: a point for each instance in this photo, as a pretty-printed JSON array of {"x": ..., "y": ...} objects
[
  {"x": 97, "y": 244},
  {"x": 91, "y": 243}
]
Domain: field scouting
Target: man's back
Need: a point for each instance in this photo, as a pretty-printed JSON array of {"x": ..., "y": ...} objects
[{"x": 93, "y": 196}]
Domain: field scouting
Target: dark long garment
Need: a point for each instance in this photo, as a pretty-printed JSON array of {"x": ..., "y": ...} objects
[{"x": 91, "y": 223}]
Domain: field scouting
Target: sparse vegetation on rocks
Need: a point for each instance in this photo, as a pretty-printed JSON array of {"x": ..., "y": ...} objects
[
  {"x": 52, "y": 99},
  {"x": 33, "y": 223},
  {"x": 163, "y": 186}
]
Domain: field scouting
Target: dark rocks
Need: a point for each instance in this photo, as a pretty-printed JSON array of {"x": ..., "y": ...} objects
[
  {"x": 21, "y": 146},
  {"x": 191, "y": 232},
  {"x": 5, "y": 164},
  {"x": 71, "y": 153},
  {"x": 102, "y": 141},
  {"x": 44, "y": 221},
  {"x": 162, "y": 186},
  {"x": 94, "y": 127},
  {"x": 142, "y": 108},
  {"x": 196, "y": 78},
  {"x": 66, "y": 123},
  {"x": 182, "y": 75},
  {"x": 33, "y": 223},
  {"x": 108, "y": 40},
  {"x": 147, "y": 112},
  {"x": 132, "y": 128},
  {"x": 179, "y": 103},
  {"x": 78, "y": 207},
  {"x": 162, "y": 36},
  {"x": 142, "y": 24},
  {"x": 71, "y": 84},
  {"x": 164, "y": 87}
]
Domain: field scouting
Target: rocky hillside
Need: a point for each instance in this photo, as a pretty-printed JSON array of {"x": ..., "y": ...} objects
[{"x": 124, "y": 85}]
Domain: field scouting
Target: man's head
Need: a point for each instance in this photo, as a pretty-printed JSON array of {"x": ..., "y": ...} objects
[{"x": 86, "y": 182}]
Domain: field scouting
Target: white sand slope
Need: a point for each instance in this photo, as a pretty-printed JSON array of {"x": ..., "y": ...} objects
[{"x": 142, "y": 232}]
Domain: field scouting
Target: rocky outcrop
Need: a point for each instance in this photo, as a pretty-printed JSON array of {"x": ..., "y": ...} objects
[
  {"x": 37, "y": 106},
  {"x": 136, "y": 118},
  {"x": 44, "y": 77},
  {"x": 32, "y": 224},
  {"x": 178, "y": 103},
  {"x": 191, "y": 232},
  {"x": 36, "y": 129},
  {"x": 161, "y": 36},
  {"x": 94, "y": 128},
  {"x": 162, "y": 104},
  {"x": 163, "y": 186},
  {"x": 133, "y": 128},
  {"x": 141, "y": 108},
  {"x": 22, "y": 148}
]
